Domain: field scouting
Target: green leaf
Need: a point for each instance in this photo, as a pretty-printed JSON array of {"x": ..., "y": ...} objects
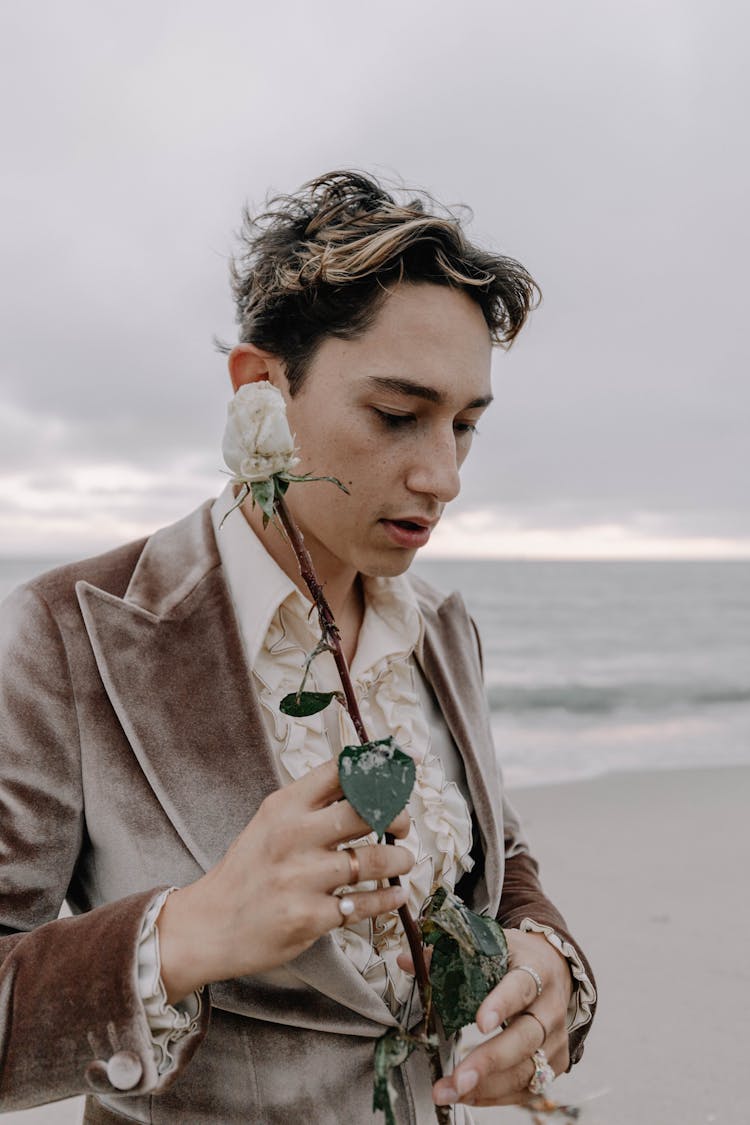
[
  {"x": 241, "y": 497},
  {"x": 377, "y": 779},
  {"x": 446, "y": 913},
  {"x": 470, "y": 956},
  {"x": 263, "y": 493},
  {"x": 302, "y": 703},
  {"x": 391, "y": 1050},
  {"x": 489, "y": 936},
  {"x": 460, "y": 982},
  {"x": 308, "y": 476}
]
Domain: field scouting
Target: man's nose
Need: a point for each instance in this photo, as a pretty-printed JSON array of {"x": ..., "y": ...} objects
[{"x": 434, "y": 470}]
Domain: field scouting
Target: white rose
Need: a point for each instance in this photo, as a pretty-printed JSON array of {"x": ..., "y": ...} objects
[{"x": 257, "y": 440}]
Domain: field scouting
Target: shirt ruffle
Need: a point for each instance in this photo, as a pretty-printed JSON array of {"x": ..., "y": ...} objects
[
  {"x": 168, "y": 1023},
  {"x": 384, "y": 677}
]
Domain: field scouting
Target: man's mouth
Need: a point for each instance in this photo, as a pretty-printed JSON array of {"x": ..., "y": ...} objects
[
  {"x": 409, "y": 533},
  {"x": 411, "y": 525}
]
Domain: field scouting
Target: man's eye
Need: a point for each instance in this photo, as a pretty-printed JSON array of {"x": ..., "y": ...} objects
[
  {"x": 394, "y": 421},
  {"x": 465, "y": 428}
]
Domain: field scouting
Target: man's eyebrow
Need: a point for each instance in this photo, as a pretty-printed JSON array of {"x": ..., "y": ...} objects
[{"x": 419, "y": 390}]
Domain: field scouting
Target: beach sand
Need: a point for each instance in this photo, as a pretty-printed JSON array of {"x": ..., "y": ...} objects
[{"x": 652, "y": 873}]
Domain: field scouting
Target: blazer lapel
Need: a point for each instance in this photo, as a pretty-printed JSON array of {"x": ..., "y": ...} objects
[
  {"x": 459, "y": 689},
  {"x": 171, "y": 659},
  {"x": 173, "y": 664}
]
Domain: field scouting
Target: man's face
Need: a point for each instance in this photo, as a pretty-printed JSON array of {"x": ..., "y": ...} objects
[{"x": 391, "y": 414}]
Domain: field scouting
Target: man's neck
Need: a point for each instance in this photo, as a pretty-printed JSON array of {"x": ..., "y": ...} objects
[{"x": 343, "y": 590}]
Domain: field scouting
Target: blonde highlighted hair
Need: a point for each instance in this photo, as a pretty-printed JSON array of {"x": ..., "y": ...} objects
[{"x": 321, "y": 262}]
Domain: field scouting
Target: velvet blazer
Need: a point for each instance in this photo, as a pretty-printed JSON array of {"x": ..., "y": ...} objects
[{"x": 132, "y": 753}]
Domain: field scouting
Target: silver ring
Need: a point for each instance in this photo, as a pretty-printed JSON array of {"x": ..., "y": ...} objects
[
  {"x": 534, "y": 976},
  {"x": 543, "y": 1073},
  {"x": 351, "y": 853},
  {"x": 346, "y": 906}
]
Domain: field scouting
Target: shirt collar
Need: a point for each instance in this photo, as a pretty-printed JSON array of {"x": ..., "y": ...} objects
[
  {"x": 258, "y": 587},
  {"x": 393, "y": 623},
  {"x": 257, "y": 584}
]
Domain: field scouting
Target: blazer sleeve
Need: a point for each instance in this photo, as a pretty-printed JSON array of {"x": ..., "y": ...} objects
[
  {"x": 523, "y": 897},
  {"x": 71, "y": 1018}
]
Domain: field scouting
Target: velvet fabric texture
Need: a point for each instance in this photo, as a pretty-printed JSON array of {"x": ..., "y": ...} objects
[{"x": 132, "y": 753}]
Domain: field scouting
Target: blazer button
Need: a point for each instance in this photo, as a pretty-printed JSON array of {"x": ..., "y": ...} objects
[{"x": 124, "y": 1070}]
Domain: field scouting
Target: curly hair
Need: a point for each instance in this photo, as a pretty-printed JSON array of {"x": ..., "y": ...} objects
[{"x": 321, "y": 262}]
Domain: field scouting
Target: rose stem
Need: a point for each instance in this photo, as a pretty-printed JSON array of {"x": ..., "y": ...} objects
[{"x": 332, "y": 637}]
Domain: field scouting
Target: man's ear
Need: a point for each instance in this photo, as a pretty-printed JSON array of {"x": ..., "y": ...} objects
[{"x": 248, "y": 364}]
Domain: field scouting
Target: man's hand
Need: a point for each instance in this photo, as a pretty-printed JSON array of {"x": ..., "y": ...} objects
[
  {"x": 270, "y": 897},
  {"x": 498, "y": 1071}
]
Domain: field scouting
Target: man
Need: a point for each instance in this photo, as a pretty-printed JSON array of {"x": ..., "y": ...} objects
[{"x": 198, "y": 834}]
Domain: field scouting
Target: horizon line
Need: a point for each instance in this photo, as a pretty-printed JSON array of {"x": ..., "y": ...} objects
[{"x": 432, "y": 556}]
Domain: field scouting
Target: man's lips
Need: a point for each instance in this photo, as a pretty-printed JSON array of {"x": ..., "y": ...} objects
[{"x": 408, "y": 531}]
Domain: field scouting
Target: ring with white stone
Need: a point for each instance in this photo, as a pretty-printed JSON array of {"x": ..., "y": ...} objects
[
  {"x": 534, "y": 976},
  {"x": 543, "y": 1073},
  {"x": 346, "y": 906}
]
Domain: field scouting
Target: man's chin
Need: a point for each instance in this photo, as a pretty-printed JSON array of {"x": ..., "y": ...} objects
[{"x": 389, "y": 565}]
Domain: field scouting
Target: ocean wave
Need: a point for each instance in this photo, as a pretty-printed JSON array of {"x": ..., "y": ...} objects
[{"x": 602, "y": 699}]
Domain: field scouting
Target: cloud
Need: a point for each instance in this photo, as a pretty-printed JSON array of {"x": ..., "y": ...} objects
[
  {"x": 493, "y": 533},
  {"x": 604, "y": 147}
]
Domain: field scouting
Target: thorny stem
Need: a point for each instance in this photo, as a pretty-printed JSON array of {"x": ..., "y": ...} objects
[
  {"x": 328, "y": 626},
  {"x": 332, "y": 637}
]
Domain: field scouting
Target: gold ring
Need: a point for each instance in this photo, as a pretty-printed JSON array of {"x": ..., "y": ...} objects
[
  {"x": 353, "y": 865},
  {"x": 535, "y": 1017}
]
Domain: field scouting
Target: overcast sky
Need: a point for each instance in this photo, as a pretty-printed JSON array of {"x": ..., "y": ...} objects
[{"x": 603, "y": 144}]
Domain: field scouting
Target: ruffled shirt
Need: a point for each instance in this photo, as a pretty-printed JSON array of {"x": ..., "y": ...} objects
[{"x": 279, "y": 629}]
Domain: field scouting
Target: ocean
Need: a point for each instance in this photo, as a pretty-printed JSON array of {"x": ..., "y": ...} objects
[{"x": 597, "y": 667}]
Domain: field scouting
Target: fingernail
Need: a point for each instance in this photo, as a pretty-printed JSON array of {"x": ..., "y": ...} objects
[
  {"x": 490, "y": 1022},
  {"x": 446, "y": 1097},
  {"x": 466, "y": 1081}
]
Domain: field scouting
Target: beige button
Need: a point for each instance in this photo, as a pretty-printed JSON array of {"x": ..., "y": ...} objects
[{"x": 124, "y": 1070}]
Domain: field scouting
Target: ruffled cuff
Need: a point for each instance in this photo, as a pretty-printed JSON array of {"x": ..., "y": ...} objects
[
  {"x": 168, "y": 1023},
  {"x": 584, "y": 993}
]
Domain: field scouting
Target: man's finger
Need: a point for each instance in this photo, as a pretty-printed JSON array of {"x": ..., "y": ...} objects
[
  {"x": 339, "y": 822},
  {"x": 320, "y": 786},
  {"x": 365, "y": 904},
  {"x": 405, "y": 962},
  {"x": 400, "y": 826},
  {"x": 498, "y": 1071},
  {"x": 490, "y": 1074},
  {"x": 374, "y": 864},
  {"x": 516, "y": 992},
  {"x": 320, "y": 789}
]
